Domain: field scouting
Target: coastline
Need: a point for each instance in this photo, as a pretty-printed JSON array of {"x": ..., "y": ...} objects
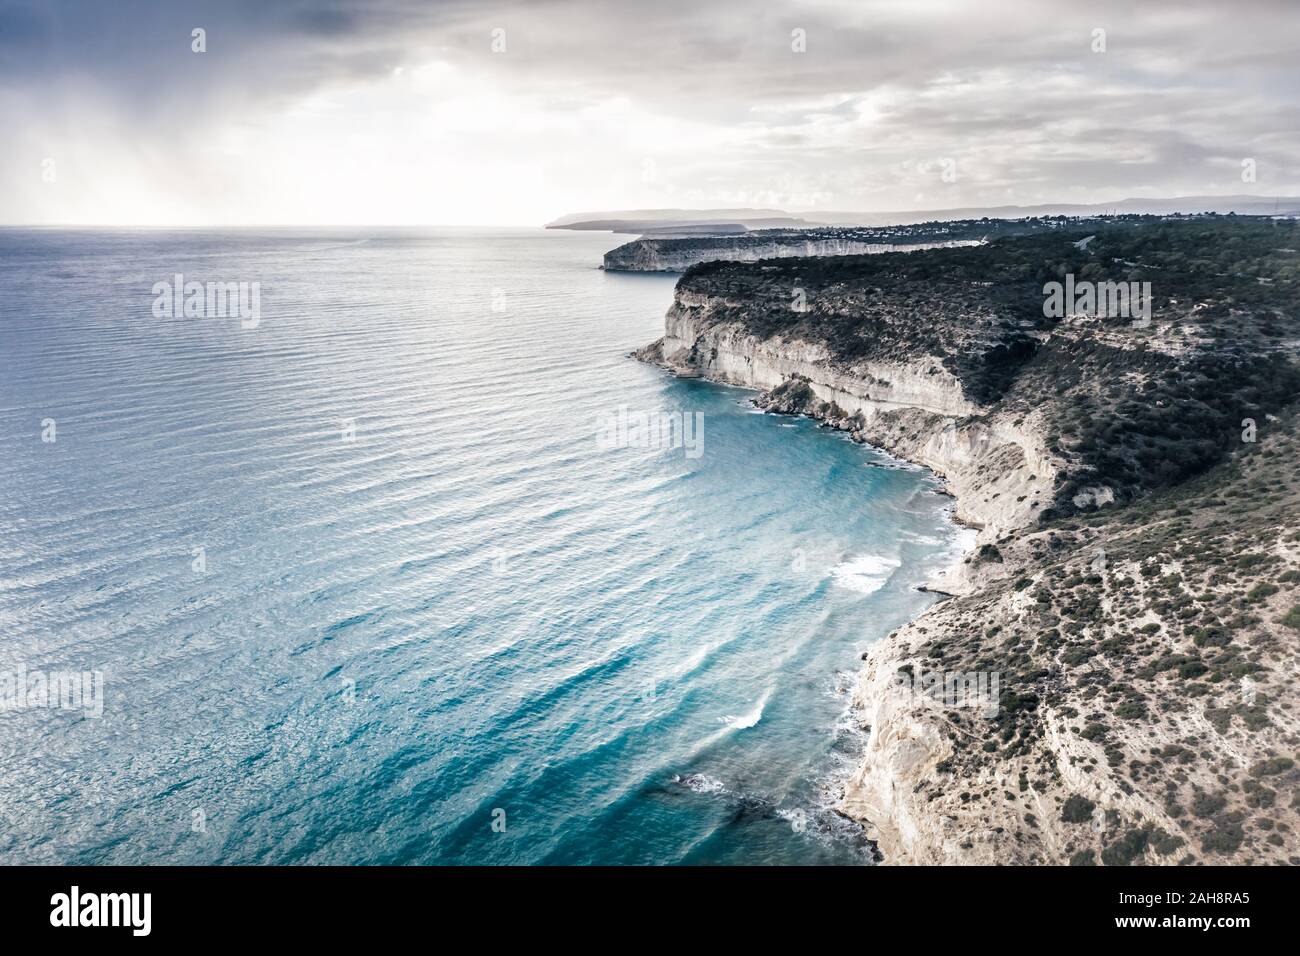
[
  {"x": 930, "y": 430},
  {"x": 1122, "y": 606},
  {"x": 906, "y": 749}
]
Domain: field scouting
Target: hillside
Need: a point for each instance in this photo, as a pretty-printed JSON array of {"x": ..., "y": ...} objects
[{"x": 1134, "y": 479}]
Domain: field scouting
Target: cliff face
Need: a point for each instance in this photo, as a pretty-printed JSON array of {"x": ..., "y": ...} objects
[
  {"x": 1132, "y": 593},
  {"x": 909, "y": 404},
  {"x": 1146, "y": 713},
  {"x": 678, "y": 254}
]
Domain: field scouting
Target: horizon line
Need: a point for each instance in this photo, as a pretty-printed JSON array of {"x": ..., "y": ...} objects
[{"x": 1277, "y": 197}]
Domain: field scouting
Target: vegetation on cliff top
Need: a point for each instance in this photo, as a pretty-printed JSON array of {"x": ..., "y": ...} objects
[{"x": 1132, "y": 406}]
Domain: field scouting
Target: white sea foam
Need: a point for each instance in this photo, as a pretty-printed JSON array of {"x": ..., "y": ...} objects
[
  {"x": 751, "y": 717},
  {"x": 701, "y": 783},
  {"x": 963, "y": 540},
  {"x": 697, "y": 658},
  {"x": 865, "y": 573},
  {"x": 926, "y": 539}
]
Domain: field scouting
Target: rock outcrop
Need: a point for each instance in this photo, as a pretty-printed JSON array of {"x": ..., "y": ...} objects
[{"x": 679, "y": 254}]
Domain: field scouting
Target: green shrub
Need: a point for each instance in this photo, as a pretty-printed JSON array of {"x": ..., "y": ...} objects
[
  {"x": 1165, "y": 843},
  {"x": 1206, "y": 805},
  {"x": 1127, "y": 848},
  {"x": 1225, "y": 837},
  {"x": 1131, "y": 709},
  {"x": 1272, "y": 766},
  {"x": 1077, "y": 809},
  {"x": 1094, "y": 731}
]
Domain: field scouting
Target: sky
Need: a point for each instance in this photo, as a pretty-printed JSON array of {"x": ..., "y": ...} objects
[{"x": 404, "y": 112}]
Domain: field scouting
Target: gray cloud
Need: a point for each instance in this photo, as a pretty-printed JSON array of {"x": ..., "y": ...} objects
[{"x": 1012, "y": 92}]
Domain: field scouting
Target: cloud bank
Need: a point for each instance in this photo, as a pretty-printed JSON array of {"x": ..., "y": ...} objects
[{"x": 397, "y": 111}]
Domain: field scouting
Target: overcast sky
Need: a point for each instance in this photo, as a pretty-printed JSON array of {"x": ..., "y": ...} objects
[{"x": 396, "y": 111}]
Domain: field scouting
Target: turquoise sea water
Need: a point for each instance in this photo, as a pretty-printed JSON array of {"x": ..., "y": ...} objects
[{"x": 365, "y": 586}]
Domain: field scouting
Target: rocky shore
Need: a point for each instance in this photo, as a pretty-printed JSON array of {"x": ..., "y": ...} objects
[{"x": 1135, "y": 484}]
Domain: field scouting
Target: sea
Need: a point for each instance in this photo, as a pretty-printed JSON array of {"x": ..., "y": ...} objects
[{"x": 396, "y": 556}]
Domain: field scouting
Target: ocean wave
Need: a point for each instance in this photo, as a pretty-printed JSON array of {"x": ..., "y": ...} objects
[
  {"x": 926, "y": 539},
  {"x": 751, "y": 717},
  {"x": 866, "y": 573}
]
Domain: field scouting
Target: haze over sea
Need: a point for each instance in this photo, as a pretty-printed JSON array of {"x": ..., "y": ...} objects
[{"x": 319, "y": 649}]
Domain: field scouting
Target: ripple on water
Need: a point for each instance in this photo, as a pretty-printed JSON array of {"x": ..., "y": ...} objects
[{"x": 426, "y": 592}]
